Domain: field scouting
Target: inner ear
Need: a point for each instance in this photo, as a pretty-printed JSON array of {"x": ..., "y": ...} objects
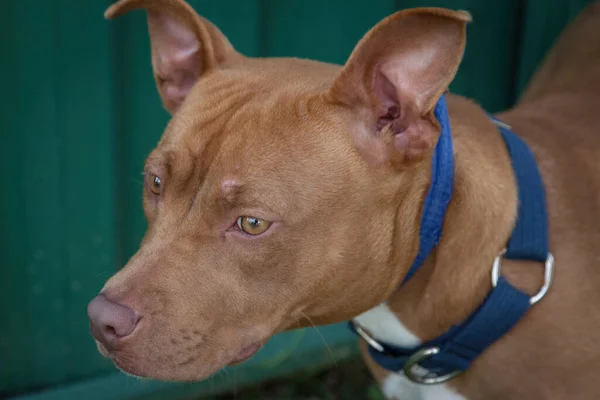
[
  {"x": 398, "y": 116},
  {"x": 398, "y": 72},
  {"x": 389, "y": 102},
  {"x": 176, "y": 58}
]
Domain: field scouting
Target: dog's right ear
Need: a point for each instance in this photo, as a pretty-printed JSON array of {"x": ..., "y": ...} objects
[
  {"x": 185, "y": 46},
  {"x": 397, "y": 73}
]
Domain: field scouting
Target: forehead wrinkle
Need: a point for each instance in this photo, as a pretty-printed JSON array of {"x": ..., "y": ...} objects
[
  {"x": 194, "y": 137},
  {"x": 252, "y": 143},
  {"x": 155, "y": 159},
  {"x": 205, "y": 161},
  {"x": 180, "y": 166},
  {"x": 213, "y": 165},
  {"x": 244, "y": 199},
  {"x": 252, "y": 154},
  {"x": 264, "y": 190}
]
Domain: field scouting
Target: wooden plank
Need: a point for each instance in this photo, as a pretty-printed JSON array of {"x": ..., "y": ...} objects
[
  {"x": 541, "y": 26},
  {"x": 321, "y": 30},
  {"x": 32, "y": 344},
  {"x": 59, "y": 232},
  {"x": 240, "y": 23},
  {"x": 84, "y": 115}
]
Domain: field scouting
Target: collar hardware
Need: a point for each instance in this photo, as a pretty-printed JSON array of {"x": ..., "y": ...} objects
[
  {"x": 548, "y": 276},
  {"x": 413, "y": 370},
  {"x": 367, "y": 338}
]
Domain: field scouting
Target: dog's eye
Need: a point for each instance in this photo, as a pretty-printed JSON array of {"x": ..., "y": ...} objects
[
  {"x": 252, "y": 225},
  {"x": 154, "y": 184}
]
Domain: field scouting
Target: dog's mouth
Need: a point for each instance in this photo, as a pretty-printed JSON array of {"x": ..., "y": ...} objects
[
  {"x": 245, "y": 354},
  {"x": 126, "y": 365}
]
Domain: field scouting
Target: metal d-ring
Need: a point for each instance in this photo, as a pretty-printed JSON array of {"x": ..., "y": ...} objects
[
  {"x": 367, "y": 338},
  {"x": 420, "y": 356},
  {"x": 548, "y": 276}
]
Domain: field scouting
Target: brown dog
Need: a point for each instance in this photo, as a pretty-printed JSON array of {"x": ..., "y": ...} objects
[{"x": 285, "y": 191}]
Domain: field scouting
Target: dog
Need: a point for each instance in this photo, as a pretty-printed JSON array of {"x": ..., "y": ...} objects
[{"x": 287, "y": 192}]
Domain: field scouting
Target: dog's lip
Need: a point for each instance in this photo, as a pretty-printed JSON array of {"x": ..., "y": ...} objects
[{"x": 245, "y": 354}]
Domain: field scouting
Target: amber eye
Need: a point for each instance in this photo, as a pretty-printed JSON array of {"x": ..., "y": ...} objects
[
  {"x": 252, "y": 225},
  {"x": 154, "y": 184}
]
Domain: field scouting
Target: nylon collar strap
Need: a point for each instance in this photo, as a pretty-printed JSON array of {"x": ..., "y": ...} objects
[{"x": 453, "y": 352}]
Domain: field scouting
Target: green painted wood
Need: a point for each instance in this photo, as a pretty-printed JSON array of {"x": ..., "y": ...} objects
[
  {"x": 80, "y": 117},
  {"x": 85, "y": 120},
  {"x": 541, "y": 26},
  {"x": 58, "y": 219},
  {"x": 321, "y": 30},
  {"x": 14, "y": 275}
]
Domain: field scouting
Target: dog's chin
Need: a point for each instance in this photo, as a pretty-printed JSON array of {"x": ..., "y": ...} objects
[{"x": 163, "y": 372}]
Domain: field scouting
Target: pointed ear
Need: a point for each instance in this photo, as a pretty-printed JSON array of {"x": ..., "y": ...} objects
[
  {"x": 397, "y": 73},
  {"x": 184, "y": 45}
]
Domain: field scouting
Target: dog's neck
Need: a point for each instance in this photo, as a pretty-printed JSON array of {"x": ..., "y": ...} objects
[{"x": 455, "y": 278}]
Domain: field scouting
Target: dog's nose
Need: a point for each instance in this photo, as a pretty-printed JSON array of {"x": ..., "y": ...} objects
[{"x": 110, "y": 321}]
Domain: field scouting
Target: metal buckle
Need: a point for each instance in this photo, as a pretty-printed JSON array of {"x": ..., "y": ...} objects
[
  {"x": 423, "y": 376},
  {"x": 548, "y": 275},
  {"x": 411, "y": 369}
]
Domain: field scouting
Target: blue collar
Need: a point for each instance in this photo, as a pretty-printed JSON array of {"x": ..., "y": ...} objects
[
  {"x": 440, "y": 190},
  {"x": 445, "y": 357}
]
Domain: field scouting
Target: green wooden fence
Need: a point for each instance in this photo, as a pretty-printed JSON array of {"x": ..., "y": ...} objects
[{"x": 79, "y": 115}]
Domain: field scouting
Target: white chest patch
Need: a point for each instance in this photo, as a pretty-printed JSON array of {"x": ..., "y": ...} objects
[{"x": 385, "y": 326}]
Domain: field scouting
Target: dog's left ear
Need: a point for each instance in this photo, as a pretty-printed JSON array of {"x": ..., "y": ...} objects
[
  {"x": 185, "y": 46},
  {"x": 395, "y": 76}
]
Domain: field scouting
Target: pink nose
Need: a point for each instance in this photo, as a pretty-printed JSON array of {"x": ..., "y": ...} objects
[{"x": 110, "y": 321}]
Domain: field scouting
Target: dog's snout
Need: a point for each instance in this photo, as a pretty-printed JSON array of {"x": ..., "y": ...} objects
[{"x": 110, "y": 321}]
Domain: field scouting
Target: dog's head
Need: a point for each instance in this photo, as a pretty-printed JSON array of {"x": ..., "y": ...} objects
[{"x": 283, "y": 191}]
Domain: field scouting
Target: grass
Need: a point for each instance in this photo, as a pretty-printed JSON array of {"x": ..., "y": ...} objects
[{"x": 350, "y": 380}]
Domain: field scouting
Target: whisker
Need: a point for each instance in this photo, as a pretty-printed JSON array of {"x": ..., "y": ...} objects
[{"x": 322, "y": 338}]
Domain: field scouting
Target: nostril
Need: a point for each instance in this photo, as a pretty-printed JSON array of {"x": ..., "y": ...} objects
[
  {"x": 109, "y": 331},
  {"x": 110, "y": 321}
]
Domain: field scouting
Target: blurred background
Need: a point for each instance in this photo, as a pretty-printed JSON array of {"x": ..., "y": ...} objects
[{"x": 80, "y": 112}]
